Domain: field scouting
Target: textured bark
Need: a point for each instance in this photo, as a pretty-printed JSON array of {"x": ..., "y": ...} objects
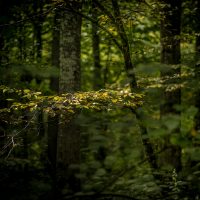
[
  {"x": 70, "y": 51},
  {"x": 170, "y": 55},
  {"x": 68, "y": 144}
]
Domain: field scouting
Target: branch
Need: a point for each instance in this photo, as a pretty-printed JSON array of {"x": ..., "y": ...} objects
[
  {"x": 31, "y": 17},
  {"x": 70, "y": 9},
  {"x": 104, "y": 10},
  {"x": 11, "y": 140},
  {"x": 118, "y": 24}
]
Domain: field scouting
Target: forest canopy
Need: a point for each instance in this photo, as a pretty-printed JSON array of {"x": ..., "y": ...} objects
[{"x": 100, "y": 99}]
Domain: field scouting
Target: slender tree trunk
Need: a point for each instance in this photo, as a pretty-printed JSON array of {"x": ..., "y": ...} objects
[
  {"x": 3, "y": 124},
  {"x": 53, "y": 122},
  {"x": 37, "y": 24},
  {"x": 106, "y": 67},
  {"x": 133, "y": 84},
  {"x": 97, "y": 83},
  {"x": 1, "y": 47},
  {"x": 68, "y": 143},
  {"x": 21, "y": 41},
  {"x": 125, "y": 45},
  {"x": 38, "y": 8},
  {"x": 39, "y": 40},
  {"x": 171, "y": 56},
  {"x": 197, "y": 66}
]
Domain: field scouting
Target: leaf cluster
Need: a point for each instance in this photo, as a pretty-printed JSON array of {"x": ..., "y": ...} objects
[{"x": 69, "y": 102}]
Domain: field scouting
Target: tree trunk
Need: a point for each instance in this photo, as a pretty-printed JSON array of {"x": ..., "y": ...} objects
[
  {"x": 1, "y": 46},
  {"x": 68, "y": 143},
  {"x": 171, "y": 56},
  {"x": 38, "y": 8},
  {"x": 54, "y": 84},
  {"x": 125, "y": 46},
  {"x": 37, "y": 24},
  {"x": 97, "y": 83},
  {"x": 53, "y": 122},
  {"x": 133, "y": 84},
  {"x": 197, "y": 65}
]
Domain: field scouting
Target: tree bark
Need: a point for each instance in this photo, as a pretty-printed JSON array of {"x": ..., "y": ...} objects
[{"x": 68, "y": 141}]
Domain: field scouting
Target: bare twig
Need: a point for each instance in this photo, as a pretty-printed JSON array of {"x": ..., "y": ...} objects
[
  {"x": 11, "y": 140},
  {"x": 32, "y": 17}
]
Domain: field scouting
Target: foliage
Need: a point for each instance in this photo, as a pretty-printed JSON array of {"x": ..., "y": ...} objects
[
  {"x": 68, "y": 103},
  {"x": 113, "y": 149}
]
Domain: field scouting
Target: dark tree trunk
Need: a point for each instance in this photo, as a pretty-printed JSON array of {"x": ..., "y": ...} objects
[
  {"x": 3, "y": 102},
  {"x": 125, "y": 46},
  {"x": 1, "y": 47},
  {"x": 53, "y": 122},
  {"x": 133, "y": 84},
  {"x": 4, "y": 53},
  {"x": 55, "y": 50},
  {"x": 197, "y": 66},
  {"x": 97, "y": 79},
  {"x": 53, "y": 125},
  {"x": 171, "y": 56},
  {"x": 106, "y": 67},
  {"x": 37, "y": 23}
]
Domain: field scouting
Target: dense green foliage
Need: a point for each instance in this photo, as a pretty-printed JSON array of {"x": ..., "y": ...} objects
[{"x": 126, "y": 138}]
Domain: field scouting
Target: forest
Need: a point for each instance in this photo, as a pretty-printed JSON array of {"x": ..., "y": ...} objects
[{"x": 100, "y": 99}]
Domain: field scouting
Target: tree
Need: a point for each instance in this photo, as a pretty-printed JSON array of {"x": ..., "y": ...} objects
[
  {"x": 123, "y": 46},
  {"x": 197, "y": 65},
  {"x": 68, "y": 141},
  {"x": 113, "y": 142},
  {"x": 171, "y": 57},
  {"x": 98, "y": 83},
  {"x": 53, "y": 122}
]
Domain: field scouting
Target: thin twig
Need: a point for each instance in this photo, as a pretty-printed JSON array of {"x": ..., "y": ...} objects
[
  {"x": 11, "y": 140},
  {"x": 32, "y": 17}
]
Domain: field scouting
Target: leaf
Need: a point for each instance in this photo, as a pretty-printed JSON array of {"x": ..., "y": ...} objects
[
  {"x": 100, "y": 172},
  {"x": 5, "y": 90},
  {"x": 171, "y": 122},
  {"x": 27, "y": 91}
]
